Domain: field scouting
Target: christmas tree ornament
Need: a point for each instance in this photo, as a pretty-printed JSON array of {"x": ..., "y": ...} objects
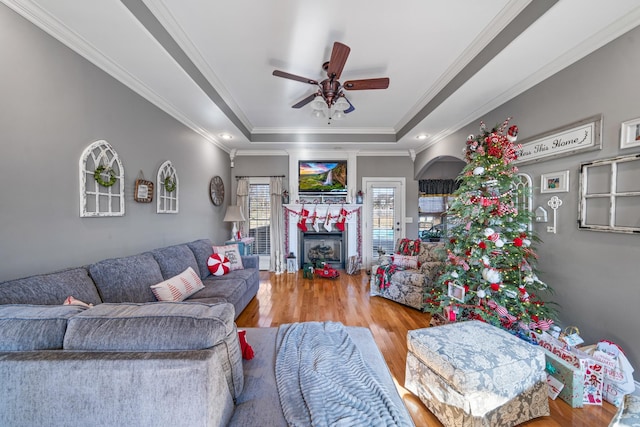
[{"x": 478, "y": 171}]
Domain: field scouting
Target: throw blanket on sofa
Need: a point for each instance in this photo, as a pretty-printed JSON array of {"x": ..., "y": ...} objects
[
  {"x": 323, "y": 380},
  {"x": 383, "y": 275}
]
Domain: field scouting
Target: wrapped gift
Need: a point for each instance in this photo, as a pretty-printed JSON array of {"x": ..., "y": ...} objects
[
  {"x": 591, "y": 371},
  {"x": 569, "y": 375}
]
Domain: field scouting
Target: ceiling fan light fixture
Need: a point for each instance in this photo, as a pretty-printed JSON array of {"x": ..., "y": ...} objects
[
  {"x": 318, "y": 114},
  {"x": 423, "y": 136},
  {"x": 319, "y": 103},
  {"x": 337, "y": 115},
  {"x": 341, "y": 104}
]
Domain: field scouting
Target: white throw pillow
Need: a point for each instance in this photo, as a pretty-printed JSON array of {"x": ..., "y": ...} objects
[
  {"x": 178, "y": 287},
  {"x": 232, "y": 253},
  {"x": 406, "y": 261}
]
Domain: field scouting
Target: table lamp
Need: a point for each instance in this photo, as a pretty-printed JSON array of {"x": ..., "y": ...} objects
[{"x": 234, "y": 214}]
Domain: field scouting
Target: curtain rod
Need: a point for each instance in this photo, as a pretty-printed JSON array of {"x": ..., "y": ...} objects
[{"x": 259, "y": 176}]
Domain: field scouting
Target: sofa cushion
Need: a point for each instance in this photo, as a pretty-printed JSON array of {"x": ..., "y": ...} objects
[
  {"x": 219, "y": 265},
  {"x": 232, "y": 253},
  {"x": 178, "y": 287},
  {"x": 173, "y": 260},
  {"x": 25, "y": 327},
  {"x": 157, "y": 326},
  {"x": 405, "y": 261},
  {"x": 126, "y": 279},
  {"x": 202, "y": 249},
  {"x": 50, "y": 289}
]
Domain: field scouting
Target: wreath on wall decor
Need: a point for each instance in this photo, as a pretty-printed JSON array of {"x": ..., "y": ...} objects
[
  {"x": 169, "y": 184},
  {"x": 97, "y": 175}
]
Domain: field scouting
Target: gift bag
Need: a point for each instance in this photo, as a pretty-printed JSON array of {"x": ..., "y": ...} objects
[{"x": 618, "y": 372}]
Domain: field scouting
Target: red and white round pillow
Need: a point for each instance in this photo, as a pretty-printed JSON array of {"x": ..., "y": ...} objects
[{"x": 218, "y": 265}]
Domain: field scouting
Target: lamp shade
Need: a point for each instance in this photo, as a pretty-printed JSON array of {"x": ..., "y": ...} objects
[
  {"x": 341, "y": 104},
  {"x": 233, "y": 214}
]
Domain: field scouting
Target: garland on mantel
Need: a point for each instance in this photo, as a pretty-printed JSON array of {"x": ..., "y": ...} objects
[{"x": 288, "y": 212}]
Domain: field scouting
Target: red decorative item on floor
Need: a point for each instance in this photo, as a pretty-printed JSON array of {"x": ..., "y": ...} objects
[{"x": 245, "y": 348}]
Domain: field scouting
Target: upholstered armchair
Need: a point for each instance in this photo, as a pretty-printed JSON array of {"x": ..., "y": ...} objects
[{"x": 406, "y": 278}]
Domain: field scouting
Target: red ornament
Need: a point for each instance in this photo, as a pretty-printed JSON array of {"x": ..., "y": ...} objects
[
  {"x": 482, "y": 245},
  {"x": 517, "y": 242},
  {"x": 495, "y": 287}
]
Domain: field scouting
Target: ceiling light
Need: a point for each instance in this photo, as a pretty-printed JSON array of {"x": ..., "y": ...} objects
[
  {"x": 226, "y": 136},
  {"x": 341, "y": 104},
  {"x": 319, "y": 103},
  {"x": 423, "y": 136},
  {"x": 337, "y": 115}
]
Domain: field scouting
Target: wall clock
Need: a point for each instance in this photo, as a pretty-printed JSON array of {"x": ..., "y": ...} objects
[{"x": 216, "y": 190}]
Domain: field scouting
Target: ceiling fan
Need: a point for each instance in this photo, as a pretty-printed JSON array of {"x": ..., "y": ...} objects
[{"x": 330, "y": 93}]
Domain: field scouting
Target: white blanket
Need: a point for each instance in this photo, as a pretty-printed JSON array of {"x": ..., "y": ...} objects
[{"x": 323, "y": 380}]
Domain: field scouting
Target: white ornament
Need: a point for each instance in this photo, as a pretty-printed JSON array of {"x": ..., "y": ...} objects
[
  {"x": 478, "y": 171},
  {"x": 481, "y": 293},
  {"x": 526, "y": 243},
  {"x": 488, "y": 232},
  {"x": 485, "y": 260},
  {"x": 454, "y": 274},
  {"x": 491, "y": 275},
  {"x": 499, "y": 243},
  {"x": 510, "y": 293}
]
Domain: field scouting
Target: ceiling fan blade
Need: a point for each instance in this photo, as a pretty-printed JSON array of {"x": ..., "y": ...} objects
[
  {"x": 285, "y": 75},
  {"x": 339, "y": 56},
  {"x": 381, "y": 83},
  {"x": 305, "y": 101},
  {"x": 351, "y": 107}
]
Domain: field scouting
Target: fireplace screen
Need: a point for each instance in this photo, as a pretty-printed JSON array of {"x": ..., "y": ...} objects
[{"x": 323, "y": 248}]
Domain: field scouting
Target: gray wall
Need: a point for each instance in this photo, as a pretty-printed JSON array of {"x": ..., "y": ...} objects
[
  {"x": 595, "y": 275},
  {"x": 394, "y": 166},
  {"x": 54, "y": 103}
]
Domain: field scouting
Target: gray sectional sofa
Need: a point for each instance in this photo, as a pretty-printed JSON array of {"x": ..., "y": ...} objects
[
  {"x": 128, "y": 360},
  {"x": 132, "y": 361}
]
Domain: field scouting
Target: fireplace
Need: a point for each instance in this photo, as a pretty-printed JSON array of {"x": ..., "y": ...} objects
[{"x": 326, "y": 247}]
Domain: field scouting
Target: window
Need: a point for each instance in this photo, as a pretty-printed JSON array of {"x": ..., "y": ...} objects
[
  {"x": 259, "y": 218},
  {"x": 610, "y": 195}
]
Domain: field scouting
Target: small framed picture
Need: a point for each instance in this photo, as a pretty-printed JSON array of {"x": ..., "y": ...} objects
[
  {"x": 143, "y": 192},
  {"x": 555, "y": 182},
  {"x": 630, "y": 134},
  {"x": 456, "y": 292}
]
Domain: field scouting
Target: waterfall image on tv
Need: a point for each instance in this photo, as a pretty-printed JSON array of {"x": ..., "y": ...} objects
[{"x": 323, "y": 176}]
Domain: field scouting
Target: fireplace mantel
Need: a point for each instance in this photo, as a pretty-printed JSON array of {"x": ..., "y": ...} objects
[{"x": 352, "y": 239}]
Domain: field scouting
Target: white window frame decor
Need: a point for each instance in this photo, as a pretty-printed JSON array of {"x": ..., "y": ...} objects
[
  {"x": 562, "y": 179},
  {"x": 101, "y": 181},
  {"x": 167, "y": 179},
  {"x": 630, "y": 134},
  {"x": 616, "y": 200}
]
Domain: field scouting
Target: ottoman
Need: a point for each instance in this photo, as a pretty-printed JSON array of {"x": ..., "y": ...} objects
[{"x": 474, "y": 374}]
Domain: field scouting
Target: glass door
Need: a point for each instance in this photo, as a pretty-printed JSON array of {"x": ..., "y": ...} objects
[{"x": 384, "y": 213}]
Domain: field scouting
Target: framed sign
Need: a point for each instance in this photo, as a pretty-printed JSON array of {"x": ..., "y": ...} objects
[
  {"x": 555, "y": 182},
  {"x": 584, "y": 135},
  {"x": 143, "y": 192}
]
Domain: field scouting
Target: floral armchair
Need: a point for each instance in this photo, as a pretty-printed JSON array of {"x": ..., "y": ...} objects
[{"x": 398, "y": 278}]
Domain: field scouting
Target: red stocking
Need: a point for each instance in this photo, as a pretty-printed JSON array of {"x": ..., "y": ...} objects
[
  {"x": 342, "y": 218},
  {"x": 302, "y": 222}
]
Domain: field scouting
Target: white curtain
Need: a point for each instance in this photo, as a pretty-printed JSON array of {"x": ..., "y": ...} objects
[
  {"x": 277, "y": 225},
  {"x": 242, "y": 200}
]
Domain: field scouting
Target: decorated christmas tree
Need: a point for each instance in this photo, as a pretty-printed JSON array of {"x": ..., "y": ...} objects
[{"x": 490, "y": 267}]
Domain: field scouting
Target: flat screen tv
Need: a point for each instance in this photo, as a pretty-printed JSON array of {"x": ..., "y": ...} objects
[{"x": 322, "y": 176}]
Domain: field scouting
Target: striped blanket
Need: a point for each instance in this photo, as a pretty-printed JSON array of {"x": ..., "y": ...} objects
[{"x": 323, "y": 380}]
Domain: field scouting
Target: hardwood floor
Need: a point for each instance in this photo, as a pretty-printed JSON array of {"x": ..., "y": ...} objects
[{"x": 288, "y": 298}]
